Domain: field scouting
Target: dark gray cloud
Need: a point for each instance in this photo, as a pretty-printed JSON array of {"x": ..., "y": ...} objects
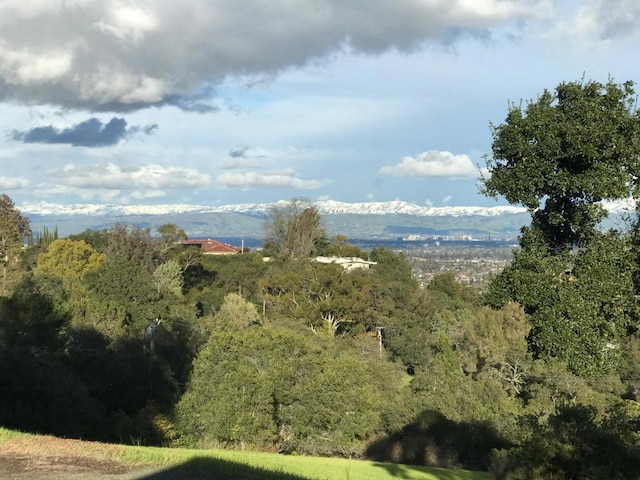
[
  {"x": 111, "y": 55},
  {"x": 90, "y": 133},
  {"x": 240, "y": 152}
]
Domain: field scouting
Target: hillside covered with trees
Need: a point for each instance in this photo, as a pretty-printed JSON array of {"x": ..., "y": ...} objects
[{"x": 126, "y": 335}]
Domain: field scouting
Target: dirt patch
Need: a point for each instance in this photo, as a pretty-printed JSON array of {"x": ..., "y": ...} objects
[{"x": 50, "y": 458}]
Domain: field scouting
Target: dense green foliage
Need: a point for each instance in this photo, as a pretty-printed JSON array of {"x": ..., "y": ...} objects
[
  {"x": 294, "y": 230},
  {"x": 14, "y": 230},
  {"x": 273, "y": 387},
  {"x": 571, "y": 149},
  {"x": 149, "y": 342},
  {"x": 561, "y": 156},
  {"x": 129, "y": 336}
]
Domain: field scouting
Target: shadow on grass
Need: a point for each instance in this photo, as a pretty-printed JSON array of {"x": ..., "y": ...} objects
[
  {"x": 207, "y": 468},
  {"x": 408, "y": 471},
  {"x": 433, "y": 440}
]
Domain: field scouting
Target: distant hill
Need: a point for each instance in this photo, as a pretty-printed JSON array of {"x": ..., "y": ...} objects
[{"x": 355, "y": 220}]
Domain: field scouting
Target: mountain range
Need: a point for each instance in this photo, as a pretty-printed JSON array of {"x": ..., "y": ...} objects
[
  {"x": 328, "y": 207},
  {"x": 355, "y": 220}
]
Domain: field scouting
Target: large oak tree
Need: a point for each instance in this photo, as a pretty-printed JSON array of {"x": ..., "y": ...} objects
[{"x": 561, "y": 156}]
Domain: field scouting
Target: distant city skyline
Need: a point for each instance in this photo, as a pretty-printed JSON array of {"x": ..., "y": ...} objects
[{"x": 219, "y": 102}]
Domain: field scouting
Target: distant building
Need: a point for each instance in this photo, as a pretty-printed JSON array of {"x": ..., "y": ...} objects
[
  {"x": 212, "y": 247},
  {"x": 348, "y": 263}
]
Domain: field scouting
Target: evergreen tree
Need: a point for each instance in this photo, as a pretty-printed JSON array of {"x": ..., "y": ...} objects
[{"x": 14, "y": 231}]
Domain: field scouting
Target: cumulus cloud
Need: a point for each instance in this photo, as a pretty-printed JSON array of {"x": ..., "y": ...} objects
[
  {"x": 86, "y": 195},
  {"x": 13, "y": 183},
  {"x": 127, "y": 23},
  {"x": 282, "y": 179},
  {"x": 604, "y": 19},
  {"x": 90, "y": 133},
  {"x": 117, "y": 55},
  {"x": 433, "y": 163},
  {"x": 115, "y": 177}
]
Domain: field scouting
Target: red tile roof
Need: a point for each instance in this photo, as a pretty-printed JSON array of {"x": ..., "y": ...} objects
[{"x": 213, "y": 247}]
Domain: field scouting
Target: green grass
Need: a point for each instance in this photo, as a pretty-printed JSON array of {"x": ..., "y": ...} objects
[
  {"x": 303, "y": 467},
  {"x": 175, "y": 463},
  {"x": 9, "y": 434}
]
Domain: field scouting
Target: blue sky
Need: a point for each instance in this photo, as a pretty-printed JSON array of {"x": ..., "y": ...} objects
[{"x": 217, "y": 102}]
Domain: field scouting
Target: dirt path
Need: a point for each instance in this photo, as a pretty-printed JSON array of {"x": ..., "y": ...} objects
[{"x": 50, "y": 458}]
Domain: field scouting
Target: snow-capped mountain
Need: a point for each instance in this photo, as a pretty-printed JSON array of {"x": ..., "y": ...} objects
[
  {"x": 398, "y": 207},
  {"x": 329, "y": 207},
  {"x": 356, "y": 220}
]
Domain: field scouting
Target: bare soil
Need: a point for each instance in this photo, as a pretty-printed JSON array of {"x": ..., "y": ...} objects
[{"x": 49, "y": 458}]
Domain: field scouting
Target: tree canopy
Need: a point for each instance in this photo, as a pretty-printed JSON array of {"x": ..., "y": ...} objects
[
  {"x": 561, "y": 156},
  {"x": 117, "y": 335},
  {"x": 68, "y": 259},
  {"x": 565, "y": 152},
  {"x": 14, "y": 229},
  {"x": 293, "y": 230}
]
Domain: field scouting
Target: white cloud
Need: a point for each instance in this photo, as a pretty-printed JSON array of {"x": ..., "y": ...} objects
[
  {"x": 496, "y": 11},
  {"x": 123, "y": 55},
  {"x": 284, "y": 179},
  {"x": 35, "y": 8},
  {"x": 605, "y": 20},
  {"x": 127, "y": 23},
  {"x": 112, "y": 176},
  {"x": 87, "y": 195},
  {"x": 433, "y": 163},
  {"x": 23, "y": 67},
  {"x": 447, "y": 199},
  {"x": 13, "y": 183},
  {"x": 110, "y": 85}
]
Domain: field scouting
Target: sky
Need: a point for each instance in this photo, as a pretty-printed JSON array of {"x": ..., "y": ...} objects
[{"x": 217, "y": 102}]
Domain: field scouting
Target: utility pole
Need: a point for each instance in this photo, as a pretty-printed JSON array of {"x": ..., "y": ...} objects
[
  {"x": 380, "y": 339},
  {"x": 149, "y": 333}
]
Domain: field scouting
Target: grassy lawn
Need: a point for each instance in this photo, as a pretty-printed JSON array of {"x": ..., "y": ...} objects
[{"x": 175, "y": 463}]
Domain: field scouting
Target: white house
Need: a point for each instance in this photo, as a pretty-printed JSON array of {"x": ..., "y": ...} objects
[{"x": 348, "y": 263}]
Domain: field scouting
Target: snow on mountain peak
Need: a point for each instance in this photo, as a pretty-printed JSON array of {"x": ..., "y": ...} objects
[{"x": 328, "y": 207}]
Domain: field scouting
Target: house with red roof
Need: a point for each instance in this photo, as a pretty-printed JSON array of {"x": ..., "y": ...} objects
[{"x": 212, "y": 247}]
